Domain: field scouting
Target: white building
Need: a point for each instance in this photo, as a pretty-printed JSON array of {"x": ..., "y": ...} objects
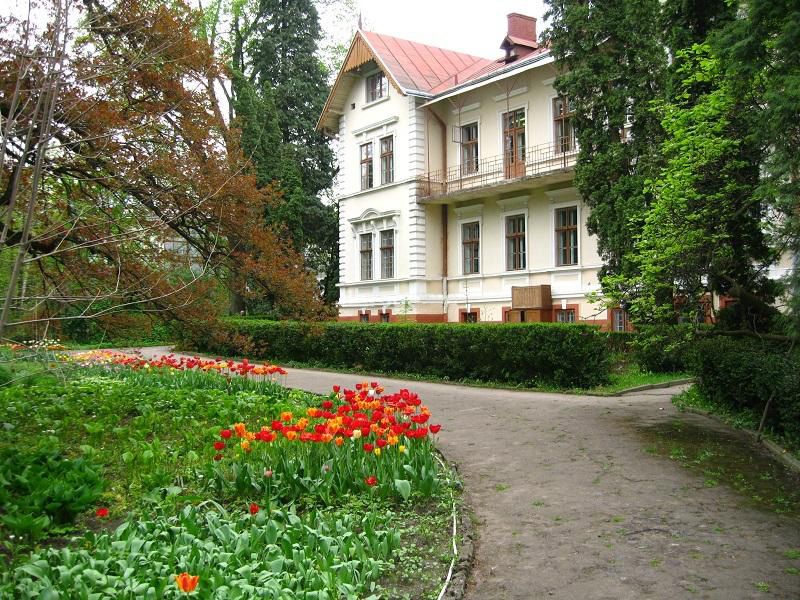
[{"x": 456, "y": 184}]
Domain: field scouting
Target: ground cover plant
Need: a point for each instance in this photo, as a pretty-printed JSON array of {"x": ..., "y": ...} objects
[{"x": 133, "y": 478}]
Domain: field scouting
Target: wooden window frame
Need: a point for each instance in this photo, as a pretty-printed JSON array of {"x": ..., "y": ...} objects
[
  {"x": 463, "y": 312},
  {"x": 564, "y": 120},
  {"x": 514, "y": 153},
  {"x": 612, "y": 319},
  {"x": 470, "y": 157},
  {"x": 385, "y": 316},
  {"x": 475, "y": 245},
  {"x": 385, "y": 250},
  {"x": 366, "y": 257},
  {"x": 568, "y": 310},
  {"x": 518, "y": 238},
  {"x": 565, "y": 230},
  {"x": 377, "y": 87},
  {"x": 365, "y": 155},
  {"x": 387, "y": 159},
  {"x": 364, "y": 317}
]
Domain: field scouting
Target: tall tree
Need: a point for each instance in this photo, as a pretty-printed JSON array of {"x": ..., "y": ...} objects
[
  {"x": 280, "y": 81},
  {"x": 704, "y": 231},
  {"x": 761, "y": 50},
  {"x": 144, "y": 164},
  {"x": 612, "y": 69}
]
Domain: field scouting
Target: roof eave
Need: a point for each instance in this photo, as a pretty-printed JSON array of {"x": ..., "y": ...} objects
[
  {"x": 327, "y": 108},
  {"x": 527, "y": 63}
]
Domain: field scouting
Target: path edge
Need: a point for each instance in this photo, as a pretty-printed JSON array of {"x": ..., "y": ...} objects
[
  {"x": 465, "y": 542},
  {"x": 778, "y": 452}
]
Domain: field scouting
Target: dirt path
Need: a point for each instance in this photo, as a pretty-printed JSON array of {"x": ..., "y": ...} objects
[{"x": 569, "y": 505}]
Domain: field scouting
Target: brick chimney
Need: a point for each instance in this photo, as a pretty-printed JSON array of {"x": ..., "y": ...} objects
[{"x": 520, "y": 39}]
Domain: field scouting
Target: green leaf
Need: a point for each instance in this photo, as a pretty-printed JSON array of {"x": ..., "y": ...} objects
[{"x": 403, "y": 487}]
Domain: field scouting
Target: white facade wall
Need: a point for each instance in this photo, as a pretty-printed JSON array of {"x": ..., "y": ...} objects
[{"x": 419, "y": 286}]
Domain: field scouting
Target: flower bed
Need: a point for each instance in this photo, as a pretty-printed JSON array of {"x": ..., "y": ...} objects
[{"x": 183, "y": 477}]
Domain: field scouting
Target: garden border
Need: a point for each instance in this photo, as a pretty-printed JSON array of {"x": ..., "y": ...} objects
[
  {"x": 457, "y": 585},
  {"x": 652, "y": 386}
]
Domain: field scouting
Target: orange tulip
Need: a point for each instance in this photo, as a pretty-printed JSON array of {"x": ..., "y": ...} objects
[{"x": 186, "y": 583}]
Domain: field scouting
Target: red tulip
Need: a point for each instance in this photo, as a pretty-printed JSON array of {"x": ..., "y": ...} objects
[
  {"x": 327, "y": 404},
  {"x": 218, "y": 457},
  {"x": 371, "y": 480},
  {"x": 219, "y": 445},
  {"x": 226, "y": 434},
  {"x": 102, "y": 512},
  {"x": 336, "y": 389},
  {"x": 381, "y": 443},
  {"x": 435, "y": 428},
  {"x": 368, "y": 447},
  {"x": 254, "y": 508}
]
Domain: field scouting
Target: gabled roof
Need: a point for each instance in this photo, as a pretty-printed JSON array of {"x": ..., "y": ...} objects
[
  {"x": 420, "y": 67},
  {"x": 412, "y": 68}
]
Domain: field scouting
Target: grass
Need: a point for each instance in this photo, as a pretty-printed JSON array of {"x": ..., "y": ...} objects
[
  {"x": 742, "y": 418},
  {"x": 722, "y": 457},
  {"x": 623, "y": 377}
]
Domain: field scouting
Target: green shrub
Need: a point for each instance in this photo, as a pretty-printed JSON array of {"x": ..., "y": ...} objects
[
  {"x": 524, "y": 353},
  {"x": 743, "y": 373},
  {"x": 663, "y": 348},
  {"x": 620, "y": 341}
]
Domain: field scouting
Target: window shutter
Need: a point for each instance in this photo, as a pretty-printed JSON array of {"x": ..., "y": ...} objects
[{"x": 456, "y": 134}]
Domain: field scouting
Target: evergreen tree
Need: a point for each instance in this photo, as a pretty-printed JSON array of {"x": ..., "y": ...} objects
[
  {"x": 761, "y": 50},
  {"x": 613, "y": 67},
  {"x": 279, "y": 89}
]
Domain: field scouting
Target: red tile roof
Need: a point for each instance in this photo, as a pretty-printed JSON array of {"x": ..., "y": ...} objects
[{"x": 424, "y": 68}]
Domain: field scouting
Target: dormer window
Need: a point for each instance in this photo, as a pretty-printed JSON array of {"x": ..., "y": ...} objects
[{"x": 377, "y": 87}]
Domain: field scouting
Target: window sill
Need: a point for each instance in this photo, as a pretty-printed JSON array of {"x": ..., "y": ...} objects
[{"x": 374, "y": 102}]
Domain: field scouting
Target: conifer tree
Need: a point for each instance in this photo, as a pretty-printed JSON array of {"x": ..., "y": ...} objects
[
  {"x": 279, "y": 89},
  {"x": 613, "y": 67}
]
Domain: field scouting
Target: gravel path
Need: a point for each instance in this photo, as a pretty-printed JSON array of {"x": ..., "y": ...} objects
[{"x": 568, "y": 504}]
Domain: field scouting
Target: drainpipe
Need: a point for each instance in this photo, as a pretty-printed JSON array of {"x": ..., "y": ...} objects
[{"x": 443, "y": 127}]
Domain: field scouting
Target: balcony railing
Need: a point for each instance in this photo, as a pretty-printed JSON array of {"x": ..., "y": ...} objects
[{"x": 534, "y": 161}]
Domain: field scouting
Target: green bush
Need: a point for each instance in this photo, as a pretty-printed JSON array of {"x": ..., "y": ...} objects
[
  {"x": 620, "y": 341},
  {"x": 663, "y": 348},
  {"x": 524, "y": 353},
  {"x": 743, "y": 373}
]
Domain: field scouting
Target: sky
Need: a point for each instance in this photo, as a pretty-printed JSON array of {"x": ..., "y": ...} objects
[{"x": 473, "y": 26}]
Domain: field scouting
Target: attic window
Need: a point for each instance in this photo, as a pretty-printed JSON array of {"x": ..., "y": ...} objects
[{"x": 377, "y": 87}]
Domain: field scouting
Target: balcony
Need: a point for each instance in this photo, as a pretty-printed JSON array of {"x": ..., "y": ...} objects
[{"x": 506, "y": 172}]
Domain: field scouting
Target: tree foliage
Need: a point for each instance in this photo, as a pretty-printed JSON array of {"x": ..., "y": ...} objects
[
  {"x": 139, "y": 163},
  {"x": 613, "y": 67},
  {"x": 703, "y": 231},
  {"x": 279, "y": 86},
  {"x": 681, "y": 211}
]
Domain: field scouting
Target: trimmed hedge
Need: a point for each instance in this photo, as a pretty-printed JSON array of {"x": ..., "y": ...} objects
[
  {"x": 518, "y": 353},
  {"x": 743, "y": 373}
]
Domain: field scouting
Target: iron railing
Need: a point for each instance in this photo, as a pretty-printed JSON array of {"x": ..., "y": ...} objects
[{"x": 534, "y": 162}]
